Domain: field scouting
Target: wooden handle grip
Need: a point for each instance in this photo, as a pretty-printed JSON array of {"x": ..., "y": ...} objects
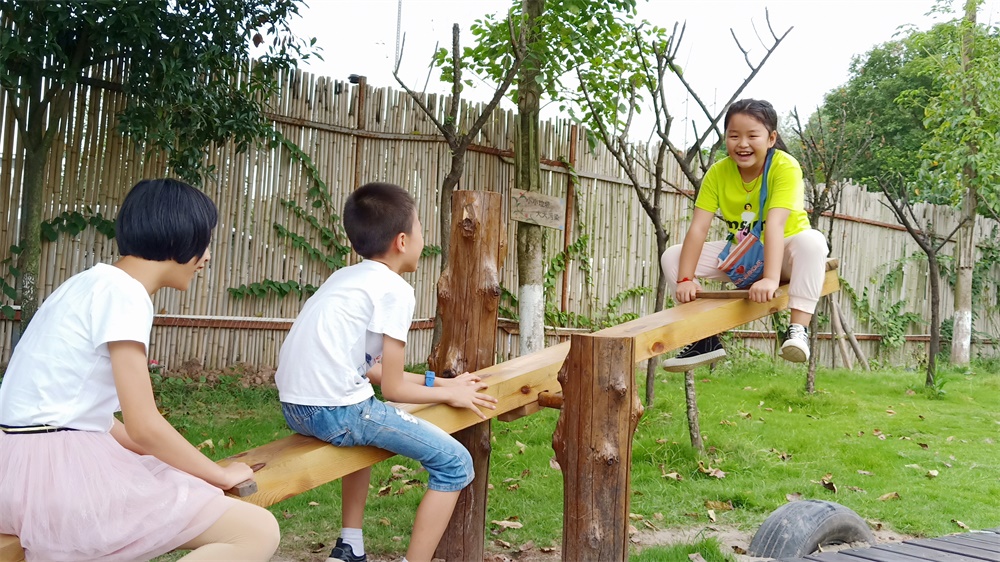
[
  {"x": 733, "y": 294},
  {"x": 246, "y": 487}
]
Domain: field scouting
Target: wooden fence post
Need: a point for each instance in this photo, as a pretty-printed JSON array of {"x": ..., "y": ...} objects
[
  {"x": 593, "y": 444},
  {"x": 468, "y": 298}
]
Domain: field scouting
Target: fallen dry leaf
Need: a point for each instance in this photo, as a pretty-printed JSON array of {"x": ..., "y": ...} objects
[
  {"x": 932, "y": 473},
  {"x": 719, "y": 505},
  {"x": 384, "y": 521},
  {"x": 673, "y": 476},
  {"x": 910, "y": 392},
  {"x": 865, "y": 473},
  {"x": 695, "y": 557},
  {"x": 635, "y": 517},
  {"x": 206, "y": 443},
  {"x": 889, "y": 496},
  {"x": 891, "y": 412},
  {"x": 527, "y": 546},
  {"x": 508, "y": 524},
  {"x": 960, "y": 524},
  {"x": 923, "y": 445},
  {"x": 856, "y": 489},
  {"x": 520, "y": 447},
  {"x": 554, "y": 464},
  {"x": 384, "y": 491},
  {"x": 738, "y": 549},
  {"x": 502, "y": 543},
  {"x": 727, "y": 422},
  {"x": 313, "y": 503},
  {"x": 649, "y": 525},
  {"x": 711, "y": 515},
  {"x": 632, "y": 530},
  {"x": 793, "y": 497},
  {"x": 288, "y": 514},
  {"x": 658, "y": 516},
  {"x": 400, "y": 469}
]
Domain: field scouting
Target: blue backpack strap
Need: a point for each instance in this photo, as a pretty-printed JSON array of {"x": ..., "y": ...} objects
[{"x": 759, "y": 224}]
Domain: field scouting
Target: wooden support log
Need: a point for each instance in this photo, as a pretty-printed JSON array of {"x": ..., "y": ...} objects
[
  {"x": 468, "y": 298},
  {"x": 551, "y": 400},
  {"x": 593, "y": 444}
]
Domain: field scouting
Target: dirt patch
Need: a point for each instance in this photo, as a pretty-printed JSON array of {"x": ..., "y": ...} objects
[{"x": 733, "y": 540}]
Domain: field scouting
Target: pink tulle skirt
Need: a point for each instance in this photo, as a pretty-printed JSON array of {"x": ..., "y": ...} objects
[{"x": 79, "y": 495}]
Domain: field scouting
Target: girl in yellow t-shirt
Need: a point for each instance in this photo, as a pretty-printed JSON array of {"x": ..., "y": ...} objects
[{"x": 792, "y": 249}]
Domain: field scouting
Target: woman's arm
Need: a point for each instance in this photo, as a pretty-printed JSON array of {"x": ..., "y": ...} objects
[{"x": 146, "y": 431}]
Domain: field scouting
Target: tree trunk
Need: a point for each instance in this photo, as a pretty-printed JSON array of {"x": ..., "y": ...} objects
[
  {"x": 934, "y": 346},
  {"x": 527, "y": 156},
  {"x": 661, "y": 297},
  {"x": 36, "y": 153},
  {"x": 468, "y": 298},
  {"x": 694, "y": 427},
  {"x": 813, "y": 357},
  {"x": 593, "y": 444},
  {"x": 838, "y": 333},
  {"x": 961, "y": 340}
]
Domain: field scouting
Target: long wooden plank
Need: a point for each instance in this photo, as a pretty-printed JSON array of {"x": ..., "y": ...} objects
[
  {"x": 10, "y": 549},
  {"x": 917, "y": 552},
  {"x": 945, "y": 545},
  {"x": 295, "y": 464},
  {"x": 686, "y": 323}
]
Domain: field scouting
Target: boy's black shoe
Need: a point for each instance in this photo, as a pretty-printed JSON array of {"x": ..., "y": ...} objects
[
  {"x": 702, "y": 352},
  {"x": 343, "y": 552}
]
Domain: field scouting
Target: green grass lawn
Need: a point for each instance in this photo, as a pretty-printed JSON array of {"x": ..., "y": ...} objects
[{"x": 878, "y": 437}]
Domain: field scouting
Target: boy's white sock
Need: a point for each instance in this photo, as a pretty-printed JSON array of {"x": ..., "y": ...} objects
[{"x": 355, "y": 538}]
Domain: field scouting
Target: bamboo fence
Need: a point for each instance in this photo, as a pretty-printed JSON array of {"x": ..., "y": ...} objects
[{"x": 355, "y": 134}]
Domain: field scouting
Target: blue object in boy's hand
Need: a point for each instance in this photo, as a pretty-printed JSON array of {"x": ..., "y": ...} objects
[{"x": 429, "y": 378}]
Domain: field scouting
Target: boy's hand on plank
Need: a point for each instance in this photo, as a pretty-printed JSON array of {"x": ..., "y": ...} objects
[{"x": 469, "y": 396}]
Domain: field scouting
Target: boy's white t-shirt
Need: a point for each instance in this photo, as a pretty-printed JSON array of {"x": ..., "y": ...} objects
[
  {"x": 337, "y": 337},
  {"x": 60, "y": 373}
]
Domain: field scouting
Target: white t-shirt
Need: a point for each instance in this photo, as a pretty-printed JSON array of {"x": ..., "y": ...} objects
[
  {"x": 337, "y": 337},
  {"x": 60, "y": 373}
]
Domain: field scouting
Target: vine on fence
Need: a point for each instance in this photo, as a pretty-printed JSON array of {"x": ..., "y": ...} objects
[
  {"x": 6, "y": 287},
  {"x": 332, "y": 249},
  {"x": 609, "y": 314},
  {"x": 887, "y": 318},
  {"x": 74, "y": 222}
]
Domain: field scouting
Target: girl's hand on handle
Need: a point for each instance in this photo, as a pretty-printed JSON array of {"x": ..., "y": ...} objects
[
  {"x": 469, "y": 396},
  {"x": 763, "y": 290},
  {"x": 687, "y": 291},
  {"x": 234, "y": 474}
]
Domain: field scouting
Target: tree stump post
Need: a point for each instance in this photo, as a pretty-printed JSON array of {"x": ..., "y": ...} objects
[
  {"x": 593, "y": 444},
  {"x": 468, "y": 298}
]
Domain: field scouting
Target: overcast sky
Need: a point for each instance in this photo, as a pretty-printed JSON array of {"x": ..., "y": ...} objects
[{"x": 359, "y": 37}]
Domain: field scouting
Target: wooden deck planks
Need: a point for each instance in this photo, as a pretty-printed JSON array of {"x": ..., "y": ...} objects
[{"x": 977, "y": 546}]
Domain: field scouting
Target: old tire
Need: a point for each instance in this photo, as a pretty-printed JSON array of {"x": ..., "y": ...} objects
[{"x": 799, "y": 528}]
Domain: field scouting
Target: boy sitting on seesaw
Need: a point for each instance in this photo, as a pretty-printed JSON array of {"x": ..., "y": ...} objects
[{"x": 351, "y": 334}]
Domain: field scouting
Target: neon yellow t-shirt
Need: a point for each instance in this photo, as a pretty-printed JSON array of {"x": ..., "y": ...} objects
[{"x": 724, "y": 189}]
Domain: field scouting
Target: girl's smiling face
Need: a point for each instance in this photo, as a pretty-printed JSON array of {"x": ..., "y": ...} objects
[{"x": 747, "y": 142}]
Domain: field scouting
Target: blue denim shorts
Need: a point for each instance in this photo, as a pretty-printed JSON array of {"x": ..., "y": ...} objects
[{"x": 375, "y": 423}]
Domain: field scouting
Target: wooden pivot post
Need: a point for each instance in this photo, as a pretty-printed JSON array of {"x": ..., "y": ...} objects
[
  {"x": 593, "y": 444},
  {"x": 468, "y": 298}
]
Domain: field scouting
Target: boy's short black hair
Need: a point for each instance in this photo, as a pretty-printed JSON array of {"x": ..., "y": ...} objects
[
  {"x": 375, "y": 214},
  {"x": 165, "y": 219}
]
